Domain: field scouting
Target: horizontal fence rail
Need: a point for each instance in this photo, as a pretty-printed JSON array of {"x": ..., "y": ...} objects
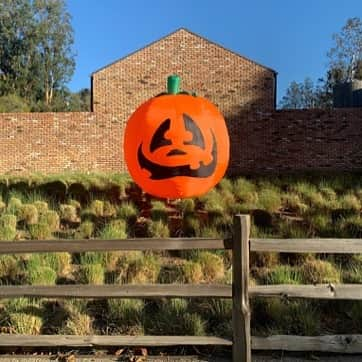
[
  {"x": 149, "y": 291},
  {"x": 108, "y": 341},
  {"x": 76, "y": 246},
  {"x": 323, "y": 245},
  {"x": 319, "y": 291},
  {"x": 333, "y": 343},
  {"x": 345, "y": 246},
  {"x": 152, "y": 291}
]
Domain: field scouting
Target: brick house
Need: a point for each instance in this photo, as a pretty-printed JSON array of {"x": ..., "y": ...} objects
[{"x": 231, "y": 81}]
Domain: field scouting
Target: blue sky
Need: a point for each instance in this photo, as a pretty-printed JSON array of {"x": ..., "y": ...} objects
[{"x": 290, "y": 36}]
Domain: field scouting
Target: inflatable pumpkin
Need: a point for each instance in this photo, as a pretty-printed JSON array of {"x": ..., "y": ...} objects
[{"x": 176, "y": 145}]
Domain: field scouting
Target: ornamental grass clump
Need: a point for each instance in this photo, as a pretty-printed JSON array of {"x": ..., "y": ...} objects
[
  {"x": 91, "y": 274},
  {"x": 7, "y": 227},
  {"x": 79, "y": 324},
  {"x": 290, "y": 317},
  {"x": 351, "y": 202},
  {"x": 245, "y": 192},
  {"x": 291, "y": 229},
  {"x": 350, "y": 226},
  {"x": 225, "y": 188},
  {"x": 14, "y": 205},
  {"x": 43, "y": 275},
  {"x": 29, "y": 214},
  {"x": 190, "y": 225},
  {"x": 128, "y": 211},
  {"x": 174, "y": 318},
  {"x": 41, "y": 206},
  {"x": 212, "y": 266},
  {"x": 115, "y": 229},
  {"x": 141, "y": 270},
  {"x": 269, "y": 199},
  {"x": 24, "y": 316},
  {"x": 316, "y": 271},
  {"x": 85, "y": 230},
  {"x": 59, "y": 262},
  {"x": 51, "y": 218},
  {"x": 158, "y": 229},
  {"x": 92, "y": 257},
  {"x": 214, "y": 202},
  {"x": 40, "y": 231},
  {"x": 9, "y": 267},
  {"x": 209, "y": 231},
  {"x": 192, "y": 272},
  {"x": 109, "y": 210},
  {"x": 185, "y": 206},
  {"x": 293, "y": 203},
  {"x": 96, "y": 208},
  {"x": 125, "y": 315},
  {"x": 68, "y": 213},
  {"x": 159, "y": 211},
  {"x": 353, "y": 273},
  {"x": 284, "y": 274},
  {"x": 2, "y": 205},
  {"x": 24, "y": 323}
]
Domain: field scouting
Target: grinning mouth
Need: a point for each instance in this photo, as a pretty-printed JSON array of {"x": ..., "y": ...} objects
[{"x": 160, "y": 172}]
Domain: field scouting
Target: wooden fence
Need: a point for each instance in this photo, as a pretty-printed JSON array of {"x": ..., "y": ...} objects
[{"x": 241, "y": 244}]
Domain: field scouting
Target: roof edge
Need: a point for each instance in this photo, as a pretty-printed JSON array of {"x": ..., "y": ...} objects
[
  {"x": 137, "y": 50},
  {"x": 194, "y": 34}
]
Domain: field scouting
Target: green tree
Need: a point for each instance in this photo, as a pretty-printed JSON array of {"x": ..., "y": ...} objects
[
  {"x": 345, "y": 57},
  {"x": 54, "y": 38},
  {"x": 80, "y": 101},
  {"x": 36, "y": 57},
  {"x": 300, "y": 95},
  {"x": 16, "y": 47},
  {"x": 345, "y": 64},
  {"x": 13, "y": 103}
]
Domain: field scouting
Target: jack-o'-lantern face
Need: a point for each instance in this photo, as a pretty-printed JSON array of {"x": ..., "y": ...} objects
[{"x": 176, "y": 146}]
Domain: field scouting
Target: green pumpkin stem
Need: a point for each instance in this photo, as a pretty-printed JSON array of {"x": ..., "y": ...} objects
[{"x": 173, "y": 84}]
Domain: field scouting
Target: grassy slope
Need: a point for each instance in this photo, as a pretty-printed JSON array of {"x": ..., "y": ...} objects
[{"x": 110, "y": 206}]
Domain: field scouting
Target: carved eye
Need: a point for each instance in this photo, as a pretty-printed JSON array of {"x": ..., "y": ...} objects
[
  {"x": 158, "y": 139},
  {"x": 197, "y": 137}
]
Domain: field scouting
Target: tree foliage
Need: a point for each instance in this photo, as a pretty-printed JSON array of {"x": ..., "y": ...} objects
[
  {"x": 303, "y": 95},
  {"x": 345, "y": 57},
  {"x": 345, "y": 64},
  {"x": 36, "y": 57}
]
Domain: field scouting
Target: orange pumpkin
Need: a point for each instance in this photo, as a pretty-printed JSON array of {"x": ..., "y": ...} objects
[{"x": 176, "y": 145}]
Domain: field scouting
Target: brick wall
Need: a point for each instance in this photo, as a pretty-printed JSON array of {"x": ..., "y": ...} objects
[
  {"x": 57, "y": 142},
  {"x": 296, "y": 140},
  {"x": 231, "y": 81},
  {"x": 276, "y": 142}
]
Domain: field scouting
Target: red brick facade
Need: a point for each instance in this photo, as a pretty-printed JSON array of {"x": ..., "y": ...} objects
[
  {"x": 57, "y": 142},
  {"x": 296, "y": 141},
  {"x": 229, "y": 80},
  {"x": 272, "y": 142}
]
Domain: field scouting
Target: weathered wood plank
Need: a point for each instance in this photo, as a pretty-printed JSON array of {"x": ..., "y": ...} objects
[
  {"x": 333, "y": 343},
  {"x": 94, "y": 341},
  {"x": 71, "y": 246},
  {"x": 118, "y": 291},
  {"x": 241, "y": 308},
  {"x": 345, "y": 246},
  {"x": 319, "y": 291}
]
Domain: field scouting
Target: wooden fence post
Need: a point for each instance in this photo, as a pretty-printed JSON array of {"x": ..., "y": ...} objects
[{"x": 241, "y": 309}]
